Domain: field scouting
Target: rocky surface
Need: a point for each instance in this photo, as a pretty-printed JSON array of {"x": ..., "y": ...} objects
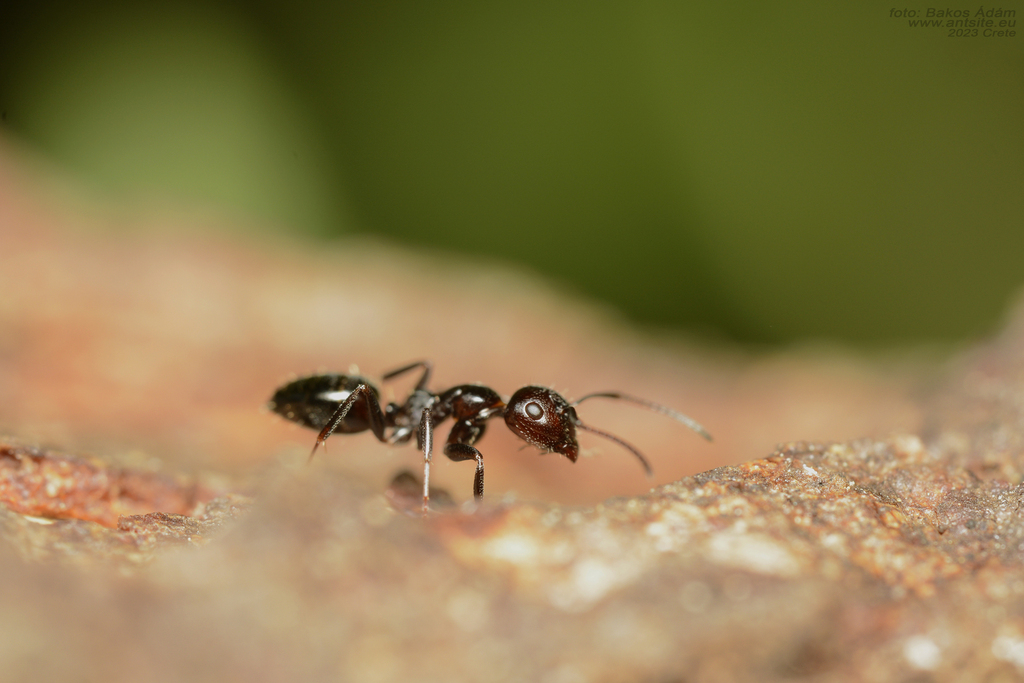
[{"x": 884, "y": 558}]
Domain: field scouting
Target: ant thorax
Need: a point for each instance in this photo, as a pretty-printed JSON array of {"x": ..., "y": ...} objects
[{"x": 408, "y": 416}]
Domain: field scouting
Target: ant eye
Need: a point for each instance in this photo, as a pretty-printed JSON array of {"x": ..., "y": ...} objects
[{"x": 534, "y": 410}]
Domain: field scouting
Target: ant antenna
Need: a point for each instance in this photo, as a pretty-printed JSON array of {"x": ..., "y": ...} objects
[
  {"x": 425, "y": 364},
  {"x": 650, "y": 405},
  {"x": 627, "y": 446}
]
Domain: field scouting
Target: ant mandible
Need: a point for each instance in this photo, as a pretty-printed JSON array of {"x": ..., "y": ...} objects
[{"x": 540, "y": 416}]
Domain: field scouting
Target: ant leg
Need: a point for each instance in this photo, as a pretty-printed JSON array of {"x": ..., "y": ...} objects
[
  {"x": 461, "y": 451},
  {"x": 460, "y": 447},
  {"x": 364, "y": 392},
  {"x": 425, "y": 364},
  {"x": 650, "y": 405},
  {"x": 426, "y": 444}
]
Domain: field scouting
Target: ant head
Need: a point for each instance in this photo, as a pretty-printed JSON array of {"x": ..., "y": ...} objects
[{"x": 543, "y": 419}]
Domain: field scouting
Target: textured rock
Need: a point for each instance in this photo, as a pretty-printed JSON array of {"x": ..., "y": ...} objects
[
  {"x": 55, "y": 507},
  {"x": 42, "y": 484},
  {"x": 888, "y": 558}
]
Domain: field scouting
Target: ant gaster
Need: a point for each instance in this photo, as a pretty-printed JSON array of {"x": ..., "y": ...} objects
[{"x": 540, "y": 416}]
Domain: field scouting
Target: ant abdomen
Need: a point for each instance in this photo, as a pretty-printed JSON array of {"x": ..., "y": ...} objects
[{"x": 311, "y": 401}]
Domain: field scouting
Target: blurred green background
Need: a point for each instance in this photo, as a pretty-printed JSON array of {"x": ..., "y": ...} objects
[{"x": 769, "y": 173}]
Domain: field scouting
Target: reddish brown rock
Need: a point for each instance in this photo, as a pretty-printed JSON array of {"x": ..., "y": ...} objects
[
  {"x": 35, "y": 482},
  {"x": 887, "y": 558}
]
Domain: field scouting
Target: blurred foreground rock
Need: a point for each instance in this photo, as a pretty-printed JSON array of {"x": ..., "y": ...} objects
[{"x": 889, "y": 558}]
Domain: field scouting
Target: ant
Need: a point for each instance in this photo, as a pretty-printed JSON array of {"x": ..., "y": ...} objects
[{"x": 540, "y": 416}]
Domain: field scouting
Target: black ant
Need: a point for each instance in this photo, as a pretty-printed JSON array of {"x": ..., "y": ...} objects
[{"x": 540, "y": 416}]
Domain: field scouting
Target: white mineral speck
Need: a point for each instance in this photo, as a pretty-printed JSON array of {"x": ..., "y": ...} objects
[
  {"x": 1010, "y": 650},
  {"x": 753, "y": 552},
  {"x": 663, "y": 538},
  {"x": 594, "y": 578},
  {"x": 515, "y": 548},
  {"x": 922, "y": 653},
  {"x": 589, "y": 580}
]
